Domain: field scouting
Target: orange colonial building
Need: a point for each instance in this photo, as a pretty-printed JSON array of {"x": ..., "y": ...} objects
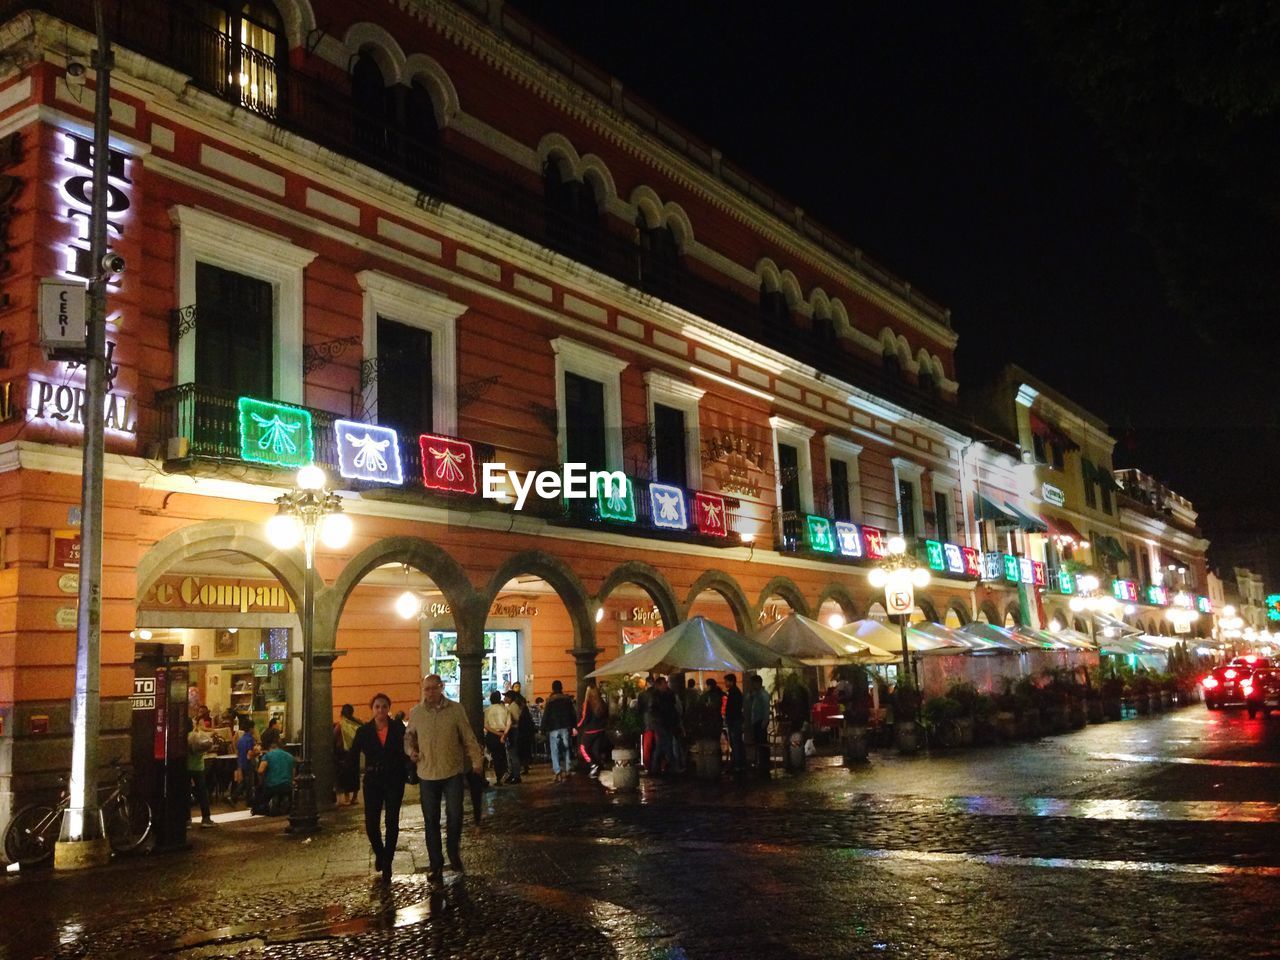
[{"x": 349, "y": 222}]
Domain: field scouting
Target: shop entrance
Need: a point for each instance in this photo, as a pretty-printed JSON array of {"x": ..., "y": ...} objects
[{"x": 500, "y": 668}]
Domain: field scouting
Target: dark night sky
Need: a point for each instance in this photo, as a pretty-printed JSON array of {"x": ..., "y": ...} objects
[{"x": 938, "y": 138}]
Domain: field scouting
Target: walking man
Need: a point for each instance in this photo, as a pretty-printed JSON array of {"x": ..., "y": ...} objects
[
  {"x": 557, "y": 722},
  {"x": 733, "y": 721},
  {"x": 439, "y": 741}
]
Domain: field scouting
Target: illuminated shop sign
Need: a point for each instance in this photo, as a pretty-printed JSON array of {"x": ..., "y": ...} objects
[
  {"x": 1203, "y": 605},
  {"x": 449, "y": 464},
  {"x": 63, "y": 403},
  {"x": 848, "y": 539},
  {"x": 275, "y": 433},
  {"x": 77, "y": 189},
  {"x": 368, "y": 452},
  {"x": 711, "y": 516},
  {"x": 818, "y": 530},
  {"x": 1125, "y": 590},
  {"x": 1051, "y": 494},
  {"x": 667, "y": 508}
]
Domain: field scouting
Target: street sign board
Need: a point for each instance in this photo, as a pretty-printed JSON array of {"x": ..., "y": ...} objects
[
  {"x": 899, "y": 599},
  {"x": 62, "y": 318}
]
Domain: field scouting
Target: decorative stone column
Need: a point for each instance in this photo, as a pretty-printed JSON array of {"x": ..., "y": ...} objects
[
  {"x": 469, "y": 622},
  {"x": 585, "y": 661},
  {"x": 322, "y": 763}
]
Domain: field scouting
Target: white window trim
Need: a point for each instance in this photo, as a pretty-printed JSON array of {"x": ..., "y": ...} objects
[
  {"x": 205, "y": 237},
  {"x": 584, "y": 361},
  {"x": 798, "y": 436},
  {"x": 912, "y": 472},
  {"x": 945, "y": 483},
  {"x": 670, "y": 392},
  {"x": 847, "y": 452},
  {"x": 414, "y": 306}
]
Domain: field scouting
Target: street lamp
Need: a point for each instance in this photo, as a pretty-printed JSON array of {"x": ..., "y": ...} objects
[
  {"x": 898, "y": 571},
  {"x": 1090, "y": 598},
  {"x": 305, "y": 512},
  {"x": 1182, "y": 613}
]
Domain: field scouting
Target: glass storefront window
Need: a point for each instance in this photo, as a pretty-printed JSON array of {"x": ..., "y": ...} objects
[{"x": 501, "y": 664}]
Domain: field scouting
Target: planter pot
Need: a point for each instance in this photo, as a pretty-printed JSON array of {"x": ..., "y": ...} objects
[
  {"x": 1112, "y": 708},
  {"x": 706, "y": 759},
  {"x": 1057, "y": 718},
  {"x": 853, "y": 744},
  {"x": 1076, "y": 714},
  {"x": 1093, "y": 706},
  {"x": 965, "y": 724},
  {"x": 907, "y": 734},
  {"x": 626, "y": 769},
  {"x": 946, "y": 734},
  {"x": 1006, "y": 725}
]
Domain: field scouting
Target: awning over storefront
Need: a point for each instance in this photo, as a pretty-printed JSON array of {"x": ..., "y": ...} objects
[
  {"x": 1026, "y": 521},
  {"x": 1074, "y": 638},
  {"x": 1047, "y": 431},
  {"x": 996, "y": 638},
  {"x": 1064, "y": 529},
  {"x": 1110, "y": 547},
  {"x": 985, "y": 509}
]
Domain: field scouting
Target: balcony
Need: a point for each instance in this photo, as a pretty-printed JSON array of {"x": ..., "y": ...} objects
[{"x": 642, "y": 514}]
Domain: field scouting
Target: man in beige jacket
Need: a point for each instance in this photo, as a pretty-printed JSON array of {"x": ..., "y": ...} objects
[{"x": 440, "y": 742}]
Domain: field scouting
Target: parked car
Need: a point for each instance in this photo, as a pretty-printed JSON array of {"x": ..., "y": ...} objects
[
  {"x": 1262, "y": 688},
  {"x": 1223, "y": 686}
]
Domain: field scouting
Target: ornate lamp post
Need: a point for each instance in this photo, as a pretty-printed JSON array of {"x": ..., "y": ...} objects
[
  {"x": 308, "y": 510},
  {"x": 899, "y": 572},
  {"x": 1090, "y": 598},
  {"x": 1230, "y": 625},
  {"x": 1182, "y": 613}
]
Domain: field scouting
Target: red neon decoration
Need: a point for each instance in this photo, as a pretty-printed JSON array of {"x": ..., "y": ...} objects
[
  {"x": 1037, "y": 570},
  {"x": 972, "y": 561},
  {"x": 710, "y": 515},
  {"x": 447, "y": 464},
  {"x": 874, "y": 540}
]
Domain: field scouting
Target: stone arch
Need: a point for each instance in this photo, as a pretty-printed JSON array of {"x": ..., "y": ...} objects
[
  {"x": 928, "y": 610},
  {"x": 889, "y": 343},
  {"x": 925, "y": 362},
  {"x": 960, "y": 610},
  {"x": 1012, "y": 609},
  {"x": 840, "y": 594},
  {"x": 840, "y": 317},
  {"x": 444, "y": 95},
  {"x": 651, "y": 580},
  {"x": 785, "y": 588},
  {"x": 1059, "y": 613},
  {"x": 648, "y": 205},
  {"x": 768, "y": 274},
  {"x": 597, "y": 176},
  {"x": 555, "y": 146},
  {"x": 563, "y": 581},
  {"x": 819, "y": 303},
  {"x": 790, "y": 288},
  {"x": 216, "y": 536},
  {"x": 381, "y": 45},
  {"x": 444, "y": 571},
  {"x": 728, "y": 588},
  {"x": 675, "y": 218},
  {"x": 988, "y": 609},
  {"x": 299, "y": 20}
]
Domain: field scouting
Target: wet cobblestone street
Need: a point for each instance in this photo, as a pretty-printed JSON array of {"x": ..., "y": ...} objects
[{"x": 1148, "y": 838}]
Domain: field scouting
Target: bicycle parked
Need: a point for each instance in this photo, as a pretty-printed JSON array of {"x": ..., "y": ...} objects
[{"x": 30, "y": 837}]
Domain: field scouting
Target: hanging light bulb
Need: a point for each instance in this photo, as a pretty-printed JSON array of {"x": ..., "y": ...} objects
[
  {"x": 835, "y": 621},
  {"x": 408, "y": 605}
]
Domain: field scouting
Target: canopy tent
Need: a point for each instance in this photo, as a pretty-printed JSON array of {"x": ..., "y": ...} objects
[
  {"x": 1107, "y": 626},
  {"x": 884, "y": 637},
  {"x": 1074, "y": 638},
  {"x": 1026, "y": 521},
  {"x": 1126, "y": 644},
  {"x": 817, "y": 644},
  {"x": 1040, "y": 639},
  {"x": 952, "y": 641},
  {"x": 696, "y": 644},
  {"x": 996, "y": 638}
]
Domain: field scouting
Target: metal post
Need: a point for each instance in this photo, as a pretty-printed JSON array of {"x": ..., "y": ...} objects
[
  {"x": 906, "y": 651},
  {"x": 82, "y": 842},
  {"x": 303, "y": 814}
]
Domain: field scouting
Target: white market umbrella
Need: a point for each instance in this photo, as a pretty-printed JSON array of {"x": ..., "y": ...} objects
[
  {"x": 998, "y": 638},
  {"x": 884, "y": 637},
  {"x": 817, "y": 644},
  {"x": 697, "y": 644},
  {"x": 1074, "y": 638},
  {"x": 946, "y": 641}
]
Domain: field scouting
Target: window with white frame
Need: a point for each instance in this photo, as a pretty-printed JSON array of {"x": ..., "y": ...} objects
[
  {"x": 944, "y": 513},
  {"x": 906, "y": 484},
  {"x": 410, "y": 328},
  {"x": 844, "y": 476},
  {"x": 589, "y": 381},
  {"x": 220, "y": 258},
  {"x": 793, "y": 470},
  {"x": 673, "y": 416}
]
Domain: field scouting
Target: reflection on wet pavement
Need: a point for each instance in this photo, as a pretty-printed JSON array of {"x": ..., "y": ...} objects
[
  {"x": 1073, "y": 863},
  {"x": 1243, "y": 812},
  {"x": 1192, "y": 761}
]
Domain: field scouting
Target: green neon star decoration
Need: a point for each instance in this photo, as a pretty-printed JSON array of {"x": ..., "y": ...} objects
[
  {"x": 275, "y": 433},
  {"x": 619, "y": 507},
  {"x": 819, "y": 530},
  {"x": 934, "y": 550}
]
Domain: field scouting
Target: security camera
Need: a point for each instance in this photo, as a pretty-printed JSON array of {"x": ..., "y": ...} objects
[
  {"x": 112, "y": 263},
  {"x": 76, "y": 74}
]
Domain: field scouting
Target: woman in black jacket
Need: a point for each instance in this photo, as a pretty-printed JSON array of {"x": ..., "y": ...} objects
[{"x": 381, "y": 743}]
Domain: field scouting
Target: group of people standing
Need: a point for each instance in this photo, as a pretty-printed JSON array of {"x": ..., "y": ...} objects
[{"x": 669, "y": 721}]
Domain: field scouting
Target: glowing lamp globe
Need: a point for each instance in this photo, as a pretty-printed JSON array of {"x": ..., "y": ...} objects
[
  {"x": 599, "y": 614},
  {"x": 284, "y": 531},
  {"x": 1076, "y": 604},
  {"x": 408, "y": 605},
  {"x": 335, "y": 530},
  {"x": 920, "y": 577},
  {"x": 311, "y": 477},
  {"x": 878, "y": 578},
  {"x": 897, "y": 546},
  {"x": 835, "y": 621},
  {"x": 1055, "y": 625}
]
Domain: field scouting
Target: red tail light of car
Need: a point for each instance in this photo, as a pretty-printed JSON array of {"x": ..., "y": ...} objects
[
  {"x": 1230, "y": 674},
  {"x": 1246, "y": 686},
  {"x": 1208, "y": 683}
]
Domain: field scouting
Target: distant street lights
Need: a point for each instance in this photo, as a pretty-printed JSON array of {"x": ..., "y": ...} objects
[
  {"x": 305, "y": 512},
  {"x": 1090, "y": 599},
  {"x": 898, "y": 573},
  {"x": 1182, "y": 612}
]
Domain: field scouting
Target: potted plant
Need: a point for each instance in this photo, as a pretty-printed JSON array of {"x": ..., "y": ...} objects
[
  {"x": 965, "y": 694},
  {"x": 906, "y": 709},
  {"x": 1139, "y": 688},
  {"x": 857, "y": 712},
  {"x": 624, "y": 729},
  {"x": 1054, "y": 695},
  {"x": 984, "y": 714},
  {"x": 1028, "y": 698},
  {"x": 1093, "y": 697},
  {"x": 1006, "y": 718},
  {"x": 1112, "y": 691},
  {"x": 940, "y": 715}
]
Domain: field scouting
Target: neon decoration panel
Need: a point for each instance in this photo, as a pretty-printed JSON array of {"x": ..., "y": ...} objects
[
  {"x": 972, "y": 561},
  {"x": 933, "y": 555},
  {"x": 368, "y": 452},
  {"x": 1157, "y": 595},
  {"x": 448, "y": 464},
  {"x": 274, "y": 433},
  {"x": 616, "y": 505},
  {"x": 1012, "y": 572},
  {"x": 710, "y": 515},
  {"x": 848, "y": 540},
  {"x": 1038, "y": 573},
  {"x": 1125, "y": 590},
  {"x": 1066, "y": 582},
  {"x": 955, "y": 559},
  {"x": 667, "y": 507},
  {"x": 1025, "y": 571},
  {"x": 993, "y": 566},
  {"x": 874, "y": 543},
  {"x": 818, "y": 531}
]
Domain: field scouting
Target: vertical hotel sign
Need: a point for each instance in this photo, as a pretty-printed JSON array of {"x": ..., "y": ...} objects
[{"x": 76, "y": 189}]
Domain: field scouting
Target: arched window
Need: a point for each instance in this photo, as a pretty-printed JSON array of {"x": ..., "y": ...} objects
[
  {"x": 370, "y": 102},
  {"x": 659, "y": 260},
  {"x": 928, "y": 386},
  {"x": 775, "y": 312},
  {"x": 572, "y": 214},
  {"x": 421, "y": 139},
  {"x": 891, "y": 362},
  {"x": 237, "y": 51},
  {"x": 824, "y": 331}
]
